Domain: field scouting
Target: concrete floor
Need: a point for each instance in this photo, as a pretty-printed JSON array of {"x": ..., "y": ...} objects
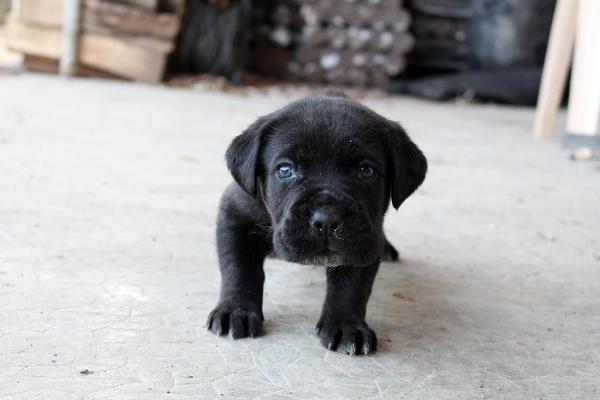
[{"x": 108, "y": 194}]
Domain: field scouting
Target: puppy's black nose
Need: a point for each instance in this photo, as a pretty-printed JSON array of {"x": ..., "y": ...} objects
[{"x": 325, "y": 221}]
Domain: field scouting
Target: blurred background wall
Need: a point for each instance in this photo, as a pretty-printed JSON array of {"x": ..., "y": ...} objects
[{"x": 436, "y": 49}]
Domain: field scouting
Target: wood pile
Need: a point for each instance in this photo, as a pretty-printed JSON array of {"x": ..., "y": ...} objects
[
  {"x": 129, "y": 38},
  {"x": 346, "y": 42},
  {"x": 276, "y": 27},
  {"x": 441, "y": 30}
]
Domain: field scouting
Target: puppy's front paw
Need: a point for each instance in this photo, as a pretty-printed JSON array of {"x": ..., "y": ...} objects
[
  {"x": 351, "y": 337},
  {"x": 238, "y": 319}
]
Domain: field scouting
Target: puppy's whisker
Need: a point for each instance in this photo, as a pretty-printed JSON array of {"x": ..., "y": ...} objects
[{"x": 336, "y": 232}]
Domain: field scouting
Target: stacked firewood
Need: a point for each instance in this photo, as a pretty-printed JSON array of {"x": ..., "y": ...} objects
[
  {"x": 128, "y": 38},
  {"x": 352, "y": 42},
  {"x": 346, "y": 42},
  {"x": 275, "y": 27}
]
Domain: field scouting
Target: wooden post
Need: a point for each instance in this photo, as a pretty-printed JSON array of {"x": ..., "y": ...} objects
[
  {"x": 584, "y": 101},
  {"x": 70, "y": 37},
  {"x": 556, "y": 66}
]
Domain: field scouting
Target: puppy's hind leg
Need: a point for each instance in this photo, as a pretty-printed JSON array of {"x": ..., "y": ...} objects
[{"x": 389, "y": 252}]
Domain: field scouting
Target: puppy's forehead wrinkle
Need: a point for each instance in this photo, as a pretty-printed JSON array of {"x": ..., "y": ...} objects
[
  {"x": 339, "y": 126},
  {"x": 344, "y": 123},
  {"x": 334, "y": 115}
]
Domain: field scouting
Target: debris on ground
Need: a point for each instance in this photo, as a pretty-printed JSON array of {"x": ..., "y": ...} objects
[
  {"x": 404, "y": 297},
  {"x": 584, "y": 154}
]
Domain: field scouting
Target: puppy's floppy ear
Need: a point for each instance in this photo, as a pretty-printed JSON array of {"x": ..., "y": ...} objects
[
  {"x": 243, "y": 153},
  {"x": 407, "y": 165}
]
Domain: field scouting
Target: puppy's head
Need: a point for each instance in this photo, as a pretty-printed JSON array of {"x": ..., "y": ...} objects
[{"x": 325, "y": 168}]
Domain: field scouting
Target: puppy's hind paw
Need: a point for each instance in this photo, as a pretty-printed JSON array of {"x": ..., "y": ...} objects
[{"x": 238, "y": 320}]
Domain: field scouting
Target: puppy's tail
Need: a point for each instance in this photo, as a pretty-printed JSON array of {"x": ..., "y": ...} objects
[
  {"x": 335, "y": 93},
  {"x": 389, "y": 252}
]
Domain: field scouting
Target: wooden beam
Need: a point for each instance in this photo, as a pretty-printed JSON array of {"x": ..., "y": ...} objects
[
  {"x": 102, "y": 16},
  {"x": 122, "y": 58},
  {"x": 36, "y": 41},
  {"x": 50, "y": 66},
  {"x": 584, "y": 100},
  {"x": 138, "y": 59},
  {"x": 150, "y": 4},
  {"x": 556, "y": 67},
  {"x": 48, "y": 13}
]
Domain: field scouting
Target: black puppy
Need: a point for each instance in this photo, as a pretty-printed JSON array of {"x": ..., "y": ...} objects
[{"x": 313, "y": 181}]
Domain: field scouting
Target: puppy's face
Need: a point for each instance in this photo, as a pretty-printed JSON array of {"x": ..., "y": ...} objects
[
  {"x": 325, "y": 168},
  {"x": 324, "y": 175}
]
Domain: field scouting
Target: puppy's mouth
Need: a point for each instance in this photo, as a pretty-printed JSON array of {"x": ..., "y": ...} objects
[
  {"x": 315, "y": 254},
  {"x": 329, "y": 259},
  {"x": 299, "y": 244}
]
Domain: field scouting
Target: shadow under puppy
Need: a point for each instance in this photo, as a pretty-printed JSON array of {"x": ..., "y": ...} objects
[{"x": 313, "y": 181}]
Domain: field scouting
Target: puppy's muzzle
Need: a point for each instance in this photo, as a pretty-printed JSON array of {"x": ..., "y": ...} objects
[
  {"x": 325, "y": 221},
  {"x": 327, "y": 214}
]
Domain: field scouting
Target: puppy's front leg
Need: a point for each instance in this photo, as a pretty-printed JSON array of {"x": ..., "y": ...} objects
[
  {"x": 342, "y": 324},
  {"x": 242, "y": 249}
]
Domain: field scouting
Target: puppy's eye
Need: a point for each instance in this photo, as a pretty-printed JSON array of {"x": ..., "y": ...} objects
[
  {"x": 285, "y": 171},
  {"x": 366, "y": 171}
]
